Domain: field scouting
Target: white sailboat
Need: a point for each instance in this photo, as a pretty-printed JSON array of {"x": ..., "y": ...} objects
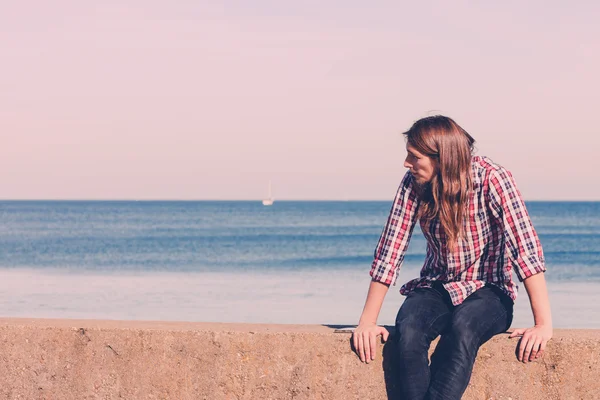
[{"x": 269, "y": 200}]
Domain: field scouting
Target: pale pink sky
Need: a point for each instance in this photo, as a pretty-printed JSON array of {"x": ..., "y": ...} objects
[{"x": 181, "y": 100}]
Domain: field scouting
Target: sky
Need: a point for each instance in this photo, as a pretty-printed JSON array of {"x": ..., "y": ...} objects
[{"x": 212, "y": 100}]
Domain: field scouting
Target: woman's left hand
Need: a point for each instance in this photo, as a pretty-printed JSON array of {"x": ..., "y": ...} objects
[{"x": 533, "y": 341}]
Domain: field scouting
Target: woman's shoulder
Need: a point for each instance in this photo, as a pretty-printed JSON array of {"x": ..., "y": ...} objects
[
  {"x": 484, "y": 162},
  {"x": 484, "y": 166},
  {"x": 483, "y": 169}
]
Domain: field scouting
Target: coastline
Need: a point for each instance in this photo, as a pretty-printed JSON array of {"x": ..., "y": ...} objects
[{"x": 296, "y": 297}]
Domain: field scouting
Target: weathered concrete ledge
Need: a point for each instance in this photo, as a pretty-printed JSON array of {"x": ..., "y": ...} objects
[{"x": 85, "y": 359}]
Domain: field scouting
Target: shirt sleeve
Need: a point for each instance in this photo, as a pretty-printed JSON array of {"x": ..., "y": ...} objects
[
  {"x": 507, "y": 206},
  {"x": 396, "y": 234}
]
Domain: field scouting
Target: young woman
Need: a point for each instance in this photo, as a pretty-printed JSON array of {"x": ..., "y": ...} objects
[{"x": 478, "y": 232}]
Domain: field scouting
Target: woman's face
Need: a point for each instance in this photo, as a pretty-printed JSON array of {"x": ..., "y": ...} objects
[{"x": 421, "y": 166}]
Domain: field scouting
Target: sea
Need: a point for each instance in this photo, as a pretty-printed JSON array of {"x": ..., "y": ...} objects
[{"x": 295, "y": 262}]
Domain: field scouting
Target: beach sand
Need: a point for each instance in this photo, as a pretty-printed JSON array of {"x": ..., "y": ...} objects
[{"x": 303, "y": 297}]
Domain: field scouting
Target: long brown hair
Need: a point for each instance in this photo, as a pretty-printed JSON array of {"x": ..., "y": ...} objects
[{"x": 446, "y": 196}]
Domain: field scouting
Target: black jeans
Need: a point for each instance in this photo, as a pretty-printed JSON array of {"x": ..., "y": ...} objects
[{"x": 427, "y": 313}]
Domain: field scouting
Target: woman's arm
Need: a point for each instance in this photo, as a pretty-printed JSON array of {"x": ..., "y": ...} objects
[
  {"x": 365, "y": 335},
  {"x": 527, "y": 258},
  {"x": 533, "y": 340},
  {"x": 388, "y": 257}
]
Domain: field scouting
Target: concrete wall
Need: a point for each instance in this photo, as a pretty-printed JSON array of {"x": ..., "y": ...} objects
[{"x": 84, "y": 359}]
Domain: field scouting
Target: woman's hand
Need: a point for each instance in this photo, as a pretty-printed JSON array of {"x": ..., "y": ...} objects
[
  {"x": 364, "y": 338},
  {"x": 533, "y": 342}
]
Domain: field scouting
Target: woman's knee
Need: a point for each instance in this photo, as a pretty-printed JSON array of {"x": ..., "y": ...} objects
[
  {"x": 422, "y": 316},
  {"x": 463, "y": 341},
  {"x": 478, "y": 319},
  {"x": 410, "y": 333},
  {"x": 468, "y": 334},
  {"x": 414, "y": 333}
]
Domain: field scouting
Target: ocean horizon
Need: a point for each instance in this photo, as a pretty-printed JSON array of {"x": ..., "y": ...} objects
[{"x": 239, "y": 261}]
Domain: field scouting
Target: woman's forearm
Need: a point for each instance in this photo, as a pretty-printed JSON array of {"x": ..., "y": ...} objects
[
  {"x": 533, "y": 340},
  {"x": 538, "y": 297},
  {"x": 365, "y": 334},
  {"x": 377, "y": 292}
]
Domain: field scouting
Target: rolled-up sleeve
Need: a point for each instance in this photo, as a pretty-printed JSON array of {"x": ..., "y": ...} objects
[
  {"x": 523, "y": 245},
  {"x": 396, "y": 234}
]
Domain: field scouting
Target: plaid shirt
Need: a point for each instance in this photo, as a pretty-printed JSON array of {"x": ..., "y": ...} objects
[{"x": 498, "y": 238}]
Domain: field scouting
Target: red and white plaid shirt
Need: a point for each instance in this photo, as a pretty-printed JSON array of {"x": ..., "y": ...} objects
[{"x": 498, "y": 238}]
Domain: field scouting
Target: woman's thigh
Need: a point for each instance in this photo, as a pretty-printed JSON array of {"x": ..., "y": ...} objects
[
  {"x": 424, "y": 314},
  {"x": 482, "y": 315}
]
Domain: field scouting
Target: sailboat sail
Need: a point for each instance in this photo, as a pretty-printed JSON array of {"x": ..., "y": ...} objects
[{"x": 269, "y": 200}]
